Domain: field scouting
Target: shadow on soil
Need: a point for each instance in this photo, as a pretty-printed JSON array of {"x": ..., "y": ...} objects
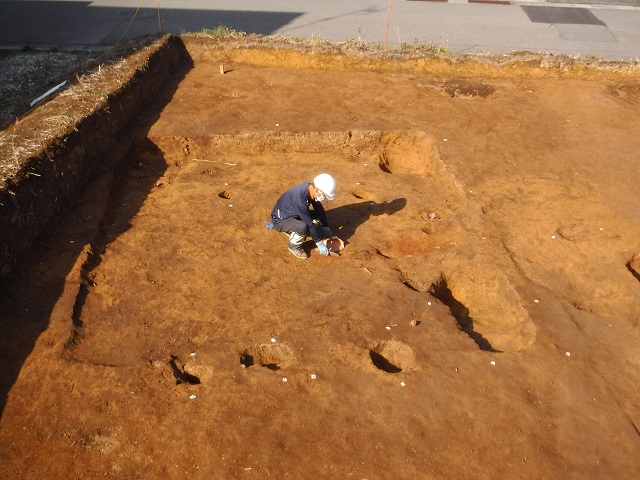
[
  {"x": 346, "y": 219},
  {"x": 460, "y": 312},
  {"x": 49, "y": 274}
]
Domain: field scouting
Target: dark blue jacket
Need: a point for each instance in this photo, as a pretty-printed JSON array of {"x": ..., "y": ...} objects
[{"x": 295, "y": 203}]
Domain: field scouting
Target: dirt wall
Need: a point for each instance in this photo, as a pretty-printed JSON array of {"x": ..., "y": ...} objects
[{"x": 50, "y": 180}]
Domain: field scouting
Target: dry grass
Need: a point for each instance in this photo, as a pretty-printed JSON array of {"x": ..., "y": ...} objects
[
  {"x": 21, "y": 141},
  {"x": 87, "y": 90},
  {"x": 27, "y": 74},
  {"x": 229, "y": 39}
]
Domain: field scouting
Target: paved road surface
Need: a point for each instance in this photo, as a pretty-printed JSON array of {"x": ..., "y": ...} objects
[{"x": 610, "y": 30}]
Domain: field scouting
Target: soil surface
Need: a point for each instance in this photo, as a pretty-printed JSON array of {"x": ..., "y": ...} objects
[{"x": 481, "y": 322}]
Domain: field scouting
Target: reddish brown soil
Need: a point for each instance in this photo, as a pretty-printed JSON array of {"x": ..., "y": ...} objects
[{"x": 482, "y": 321}]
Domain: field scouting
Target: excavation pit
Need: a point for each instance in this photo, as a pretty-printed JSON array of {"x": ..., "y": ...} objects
[
  {"x": 271, "y": 357},
  {"x": 393, "y": 356},
  {"x": 467, "y": 89},
  {"x": 460, "y": 312}
]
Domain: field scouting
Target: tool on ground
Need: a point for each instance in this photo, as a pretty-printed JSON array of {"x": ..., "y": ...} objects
[{"x": 335, "y": 245}]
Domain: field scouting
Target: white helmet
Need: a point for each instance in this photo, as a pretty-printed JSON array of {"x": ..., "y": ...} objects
[{"x": 326, "y": 183}]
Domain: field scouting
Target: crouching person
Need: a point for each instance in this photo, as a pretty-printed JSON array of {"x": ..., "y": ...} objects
[{"x": 299, "y": 213}]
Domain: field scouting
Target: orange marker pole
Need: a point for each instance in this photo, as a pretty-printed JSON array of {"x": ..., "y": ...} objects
[
  {"x": 386, "y": 35},
  {"x": 159, "y": 22}
]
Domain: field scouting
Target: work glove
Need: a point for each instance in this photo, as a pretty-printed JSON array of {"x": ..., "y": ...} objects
[
  {"x": 326, "y": 232},
  {"x": 323, "y": 249}
]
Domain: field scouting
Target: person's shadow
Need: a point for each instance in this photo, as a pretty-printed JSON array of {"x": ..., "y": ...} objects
[{"x": 345, "y": 220}]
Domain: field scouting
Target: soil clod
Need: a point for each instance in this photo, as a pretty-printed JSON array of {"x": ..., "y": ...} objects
[{"x": 180, "y": 375}]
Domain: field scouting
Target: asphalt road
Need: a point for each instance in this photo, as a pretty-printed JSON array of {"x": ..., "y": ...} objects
[{"x": 610, "y": 30}]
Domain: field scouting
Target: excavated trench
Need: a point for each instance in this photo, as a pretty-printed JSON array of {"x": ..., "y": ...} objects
[
  {"x": 51, "y": 181},
  {"x": 151, "y": 169},
  {"x": 110, "y": 158},
  {"x": 165, "y": 295}
]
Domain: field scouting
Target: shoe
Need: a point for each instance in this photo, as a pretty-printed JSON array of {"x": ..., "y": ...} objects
[{"x": 299, "y": 253}]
